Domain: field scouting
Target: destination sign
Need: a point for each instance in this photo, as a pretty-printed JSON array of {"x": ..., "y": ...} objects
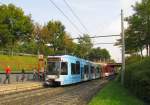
[{"x": 53, "y": 59}]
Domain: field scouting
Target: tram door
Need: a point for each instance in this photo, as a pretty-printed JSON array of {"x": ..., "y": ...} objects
[
  {"x": 86, "y": 72},
  {"x": 82, "y": 73}
]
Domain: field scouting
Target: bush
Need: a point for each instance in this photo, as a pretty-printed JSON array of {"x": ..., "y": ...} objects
[
  {"x": 137, "y": 78},
  {"x": 133, "y": 59}
]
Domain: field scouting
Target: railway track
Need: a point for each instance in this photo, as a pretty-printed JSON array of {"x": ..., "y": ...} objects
[
  {"x": 69, "y": 95},
  {"x": 9, "y": 99},
  {"x": 76, "y": 96}
]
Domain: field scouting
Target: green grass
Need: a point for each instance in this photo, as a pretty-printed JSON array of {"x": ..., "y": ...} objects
[
  {"x": 17, "y": 63},
  {"x": 115, "y": 94}
]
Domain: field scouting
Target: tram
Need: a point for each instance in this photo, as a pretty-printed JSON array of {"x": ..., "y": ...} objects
[{"x": 67, "y": 69}]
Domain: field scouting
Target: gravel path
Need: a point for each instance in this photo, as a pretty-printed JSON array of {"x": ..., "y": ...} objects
[{"x": 78, "y": 94}]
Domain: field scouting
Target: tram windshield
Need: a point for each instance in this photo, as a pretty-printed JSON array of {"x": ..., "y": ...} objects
[{"x": 53, "y": 68}]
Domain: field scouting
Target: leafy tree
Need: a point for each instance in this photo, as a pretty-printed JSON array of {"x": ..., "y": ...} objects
[
  {"x": 28, "y": 47},
  {"x": 69, "y": 45},
  {"x": 14, "y": 25},
  {"x": 98, "y": 54},
  {"x": 84, "y": 47},
  {"x": 137, "y": 35},
  {"x": 40, "y": 37},
  {"x": 56, "y": 34},
  {"x": 142, "y": 10},
  {"x": 104, "y": 54}
]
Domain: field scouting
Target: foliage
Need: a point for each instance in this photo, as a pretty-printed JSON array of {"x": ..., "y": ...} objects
[
  {"x": 27, "y": 47},
  {"x": 115, "y": 94},
  {"x": 137, "y": 78},
  {"x": 40, "y": 39},
  {"x": 69, "y": 45},
  {"x": 84, "y": 47},
  {"x": 137, "y": 35},
  {"x": 18, "y": 33},
  {"x": 53, "y": 34},
  {"x": 14, "y": 25},
  {"x": 97, "y": 54},
  {"x": 57, "y": 33},
  {"x": 133, "y": 59}
]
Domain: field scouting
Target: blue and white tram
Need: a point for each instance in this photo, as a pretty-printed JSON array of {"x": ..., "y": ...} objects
[{"x": 66, "y": 69}]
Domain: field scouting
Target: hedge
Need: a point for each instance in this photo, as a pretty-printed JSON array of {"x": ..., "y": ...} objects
[{"x": 137, "y": 78}]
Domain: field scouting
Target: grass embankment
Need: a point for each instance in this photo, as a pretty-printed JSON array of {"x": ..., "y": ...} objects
[
  {"x": 115, "y": 94},
  {"x": 17, "y": 63}
]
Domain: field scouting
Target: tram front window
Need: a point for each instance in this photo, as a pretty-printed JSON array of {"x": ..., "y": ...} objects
[{"x": 53, "y": 68}]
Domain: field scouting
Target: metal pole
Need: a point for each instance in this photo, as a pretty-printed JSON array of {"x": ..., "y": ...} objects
[
  {"x": 123, "y": 48},
  {"x": 11, "y": 23}
]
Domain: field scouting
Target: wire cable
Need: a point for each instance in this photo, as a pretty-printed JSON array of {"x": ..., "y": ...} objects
[
  {"x": 76, "y": 16},
  {"x": 102, "y": 43},
  {"x": 97, "y": 36},
  {"x": 65, "y": 16}
]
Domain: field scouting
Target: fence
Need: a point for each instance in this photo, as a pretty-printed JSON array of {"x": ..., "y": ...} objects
[
  {"x": 11, "y": 53},
  {"x": 16, "y": 77}
]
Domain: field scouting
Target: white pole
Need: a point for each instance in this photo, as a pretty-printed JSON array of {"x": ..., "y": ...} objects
[{"x": 123, "y": 48}]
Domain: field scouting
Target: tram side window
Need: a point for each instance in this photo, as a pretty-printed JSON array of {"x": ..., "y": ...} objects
[
  {"x": 73, "y": 68},
  {"x": 86, "y": 69},
  {"x": 92, "y": 69},
  {"x": 77, "y": 67},
  {"x": 98, "y": 69},
  {"x": 64, "y": 68}
]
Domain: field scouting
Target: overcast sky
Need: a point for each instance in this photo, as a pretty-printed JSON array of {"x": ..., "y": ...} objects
[{"x": 101, "y": 17}]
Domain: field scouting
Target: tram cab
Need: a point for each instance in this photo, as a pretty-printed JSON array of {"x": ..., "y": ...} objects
[{"x": 56, "y": 70}]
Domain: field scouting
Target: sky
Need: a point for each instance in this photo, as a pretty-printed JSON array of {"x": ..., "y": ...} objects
[{"x": 100, "y": 17}]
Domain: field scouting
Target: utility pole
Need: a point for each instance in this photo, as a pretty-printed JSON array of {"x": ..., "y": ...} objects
[{"x": 123, "y": 48}]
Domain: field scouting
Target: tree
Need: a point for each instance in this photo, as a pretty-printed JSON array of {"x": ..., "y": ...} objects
[
  {"x": 98, "y": 54},
  {"x": 142, "y": 10},
  {"x": 41, "y": 37},
  {"x": 104, "y": 54},
  {"x": 28, "y": 47},
  {"x": 56, "y": 34},
  {"x": 84, "y": 47},
  {"x": 14, "y": 25},
  {"x": 137, "y": 35},
  {"x": 69, "y": 45}
]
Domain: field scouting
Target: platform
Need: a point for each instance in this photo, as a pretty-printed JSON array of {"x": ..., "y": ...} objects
[{"x": 18, "y": 87}]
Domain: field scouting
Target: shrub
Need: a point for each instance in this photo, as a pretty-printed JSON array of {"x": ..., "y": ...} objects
[
  {"x": 133, "y": 59},
  {"x": 137, "y": 78}
]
